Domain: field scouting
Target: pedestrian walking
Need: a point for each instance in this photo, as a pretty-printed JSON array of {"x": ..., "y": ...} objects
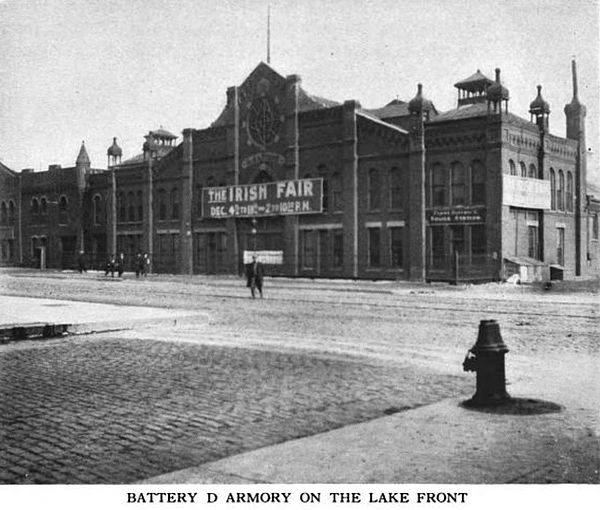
[
  {"x": 146, "y": 266},
  {"x": 82, "y": 262},
  {"x": 110, "y": 266},
  {"x": 254, "y": 276},
  {"x": 121, "y": 264},
  {"x": 139, "y": 265}
]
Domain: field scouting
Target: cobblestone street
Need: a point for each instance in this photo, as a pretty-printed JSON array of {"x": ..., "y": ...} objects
[{"x": 103, "y": 410}]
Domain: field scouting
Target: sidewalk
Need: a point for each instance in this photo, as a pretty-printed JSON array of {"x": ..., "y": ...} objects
[
  {"x": 86, "y": 317},
  {"x": 438, "y": 443}
]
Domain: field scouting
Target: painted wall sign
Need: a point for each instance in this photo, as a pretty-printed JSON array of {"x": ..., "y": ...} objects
[
  {"x": 456, "y": 215},
  {"x": 262, "y": 157},
  {"x": 301, "y": 196},
  {"x": 525, "y": 192}
]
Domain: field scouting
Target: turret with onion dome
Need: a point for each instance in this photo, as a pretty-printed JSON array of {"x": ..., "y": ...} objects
[
  {"x": 540, "y": 109},
  {"x": 419, "y": 105},
  {"x": 496, "y": 93},
  {"x": 114, "y": 153}
]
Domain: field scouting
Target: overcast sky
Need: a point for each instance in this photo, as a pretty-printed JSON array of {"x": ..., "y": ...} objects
[{"x": 89, "y": 70}]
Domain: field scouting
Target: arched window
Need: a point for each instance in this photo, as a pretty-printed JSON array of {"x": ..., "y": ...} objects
[
  {"x": 63, "y": 206},
  {"x": 3, "y": 213},
  {"x": 174, "y": 204},
  {"x": 322, "y": 172},
  {"x": 552, "y": 189},
  {"x": 560, "y": 191},
  {"x": 569, "y": 192},
  {"x": 438, "y": 185},
  {"x": 162, "y": 204},
  {"x": 337, "y": 197},
  {"x": 458, "y": 184},
  {"x": 140, "y": 206},
  {"x": 97, "y": 210},
  {"x": 532, "y": 171},
  {"x": 374, "y": 190},
  {"x": 396, "y": 189},
  {"x": 477, "y": 183},
  {"x": 130, "y": 206},
  {"x": 11, "y": 212},
  {"x": 35, "y": 209},
  {"x": 513, "y": 168},
  {"x": 523, "y": 169},
  {"x": 43, "y": 206},
  {"x": 121, "y": 202}
]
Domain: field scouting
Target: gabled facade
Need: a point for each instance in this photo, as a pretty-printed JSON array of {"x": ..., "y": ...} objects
[{"x": 475, "y": 193}]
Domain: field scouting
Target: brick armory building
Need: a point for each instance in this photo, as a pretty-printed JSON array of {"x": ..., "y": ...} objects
[{"x": 408, "y": 192}]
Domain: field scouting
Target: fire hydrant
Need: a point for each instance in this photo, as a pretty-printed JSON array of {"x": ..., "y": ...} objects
[{"x": 486, "y": 358}]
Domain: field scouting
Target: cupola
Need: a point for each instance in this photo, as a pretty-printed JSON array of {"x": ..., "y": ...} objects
[
  {"x": 114, "y": 153},
  {"x": 419, "y": 105},
  {"x": 540, "y": 109}
]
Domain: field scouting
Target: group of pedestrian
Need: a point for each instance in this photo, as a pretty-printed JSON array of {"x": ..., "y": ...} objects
[{"x": 117, "y": 264}]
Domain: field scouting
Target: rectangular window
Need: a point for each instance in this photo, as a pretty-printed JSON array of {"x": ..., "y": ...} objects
[
  {"x": 374, "y": 247},
  {"x": 397, "y": 247},
  {"x": 478, "y": 241},
  {"x": 533, "y": 250},
  {"x": 308, "y": 249},
  {"x": 437, "y": 252},
  {"x": 457, "y": 237},
  {"x": 560, "y": 246},
  {"x": 338, "y": 248},
  {"x": 438, "y": 186}
]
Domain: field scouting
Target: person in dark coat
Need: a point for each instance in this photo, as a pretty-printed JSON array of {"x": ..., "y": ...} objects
[
  {"x": 146, "y": 265},
  {"x": 139, "y": 265},
  {"x": 82, "y": 262},
  {"x": 120, "y": 264},
  {"x": 254, "y": 276},
  {"x": 110, "y": 266}
]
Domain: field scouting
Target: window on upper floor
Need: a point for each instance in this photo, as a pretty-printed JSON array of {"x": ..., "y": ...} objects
[
  {"x": 130, "y": 206},
  {"x": 552, "y": 189},
  {"x": 336, "y": 192},
  {"x": 63, "y": 206},
  {"x": 438, "y": 186},
  {"x": 174, "y": 204},
  {"x": 121, "y": 206},
  {"x": 595, "y": 226},
  {"x": 35, "y": 210},
  {"x": 162, "y": 204},
  {"x": 459, "y": 195},
  {"x": 396, "y": 188},
  {"x": 560, "y": 191},
  {"x": 523, "y": 169},
  {"x": 512, "y": 167},
  {"x": 43, "y": 206},
  {"x": 477, "y": 183},
  {"x": 11, "y": 212},
  {"x": 97, "y": 210},
  {"x": 3, "y": 213},
  {"x": 374, "y": 190},
  {"x": 140, "y": 206},
  {"x": 532, "y": 171},
  {"x": 569, "y": 192}
]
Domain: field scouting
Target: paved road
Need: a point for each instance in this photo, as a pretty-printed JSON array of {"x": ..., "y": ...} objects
[{"x": 108, "y": 410}]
